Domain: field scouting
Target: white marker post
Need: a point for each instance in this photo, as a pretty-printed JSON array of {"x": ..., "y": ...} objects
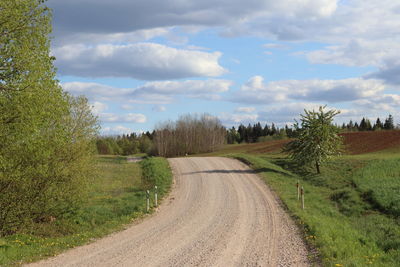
[
  {"x": 155, "y": 196},
  {"x": 147, "y": 201},
  {"x": 302, "y": 198}
]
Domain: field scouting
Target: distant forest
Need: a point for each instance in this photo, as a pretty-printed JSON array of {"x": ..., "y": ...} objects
[
  {"x": 144, "y": 143},
  {"x": 258, "y": 133}
]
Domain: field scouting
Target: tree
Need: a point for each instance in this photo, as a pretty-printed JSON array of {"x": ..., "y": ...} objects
[
  {"x": 318, "y": 138},
  {"x": 389, "y": 124},
  {"x": 45, "y": 134},
  {"x": 378, "y": 124},
  {"x": 190, "y": 134}
]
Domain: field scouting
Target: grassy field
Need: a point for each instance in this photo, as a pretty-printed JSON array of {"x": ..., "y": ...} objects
[
  {"x": 351, "y": 213},
  {"x": 116, "y": 198}
]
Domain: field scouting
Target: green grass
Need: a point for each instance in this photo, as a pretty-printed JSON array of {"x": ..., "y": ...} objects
[
  {"x": 116, "y": 198},
  {"x": 380, "y": 183},
  {"x": 346, "y": 227}
]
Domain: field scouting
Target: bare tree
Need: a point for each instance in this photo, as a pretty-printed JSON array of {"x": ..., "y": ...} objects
[{"x": 190, "y": 134}]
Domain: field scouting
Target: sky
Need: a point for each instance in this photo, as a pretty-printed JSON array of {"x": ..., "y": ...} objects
[{"x": 143, "y": 62}]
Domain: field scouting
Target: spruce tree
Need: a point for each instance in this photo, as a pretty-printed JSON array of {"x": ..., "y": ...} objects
[{"x": 389, "y": 123}]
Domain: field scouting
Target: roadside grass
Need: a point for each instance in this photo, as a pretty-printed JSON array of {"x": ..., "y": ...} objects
[
  {"x": 347, "y": 228},
  {"x": 380, "y": 185},
  {"x": 116, "y": 198}
]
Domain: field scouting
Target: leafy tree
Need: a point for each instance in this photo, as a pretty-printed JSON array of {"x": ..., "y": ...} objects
[
  {"x": 45, "y": 135},
  {"x": 318, "y": 138}
]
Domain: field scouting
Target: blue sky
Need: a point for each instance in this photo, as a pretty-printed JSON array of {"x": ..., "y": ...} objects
[{"x": 146, "y": 61}]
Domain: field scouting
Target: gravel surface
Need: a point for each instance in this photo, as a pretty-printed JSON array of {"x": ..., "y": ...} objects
[{"x": 219, "y": 213}]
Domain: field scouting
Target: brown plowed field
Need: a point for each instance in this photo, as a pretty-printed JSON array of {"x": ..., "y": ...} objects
[
  {"x": 355, "y": 143},
  {"x": 367, "y": 142}
]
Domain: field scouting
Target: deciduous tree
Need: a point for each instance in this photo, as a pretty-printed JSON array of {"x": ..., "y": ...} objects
[{"x": 317, "y": 139}]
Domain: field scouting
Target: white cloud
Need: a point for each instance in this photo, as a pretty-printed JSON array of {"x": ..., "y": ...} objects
[
  {"x": 116, "y": 130},
  {"x": 130, "y": 117},
  {"x": 285, "y": 114},
  {"x": 127, "y": 107},
  {"x": 96, "y": 38},
  {"x": 98, "y": 107},
  {"x": 245, "y": 109},
  {"x": 231, "y": 119},
  {"x": 359, "y": 32},
  {"x": 163, "y": 92},
  {"x": 145, "y": 61},
  {"x": 126, "y": 16},
  {"x": 255, "y": 91},
  {"x": 275, "y": 46},
  {"x": 159, "y": 108}
]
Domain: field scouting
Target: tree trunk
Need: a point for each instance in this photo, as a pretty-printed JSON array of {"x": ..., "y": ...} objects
[{"x": 317, "y": 166}]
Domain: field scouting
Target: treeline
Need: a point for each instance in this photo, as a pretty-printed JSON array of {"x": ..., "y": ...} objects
[
  {"x": 46, "y": 135},
  {"x": 190, "y": 134},
  {"x": 366, "y": 125},
  {"x": 125, "y": 144},
  {"x": 258, "y": 133}
]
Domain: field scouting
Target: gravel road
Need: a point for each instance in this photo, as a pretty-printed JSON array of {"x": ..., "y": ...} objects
[{"x": 219, "y": 213}]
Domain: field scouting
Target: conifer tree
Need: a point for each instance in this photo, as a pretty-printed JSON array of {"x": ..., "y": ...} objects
[{"x": 389, "y": 123}]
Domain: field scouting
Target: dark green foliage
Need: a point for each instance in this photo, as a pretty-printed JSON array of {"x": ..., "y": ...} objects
[
  {"x": 366, "y": 125},
  {"x": 256, "y": 133},
  {"x": 125, "y": 144},
  {"x": 389, "y": 123}
]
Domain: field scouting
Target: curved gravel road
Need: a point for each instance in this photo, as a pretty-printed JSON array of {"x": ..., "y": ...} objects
[{"x": 219, "y": 213}]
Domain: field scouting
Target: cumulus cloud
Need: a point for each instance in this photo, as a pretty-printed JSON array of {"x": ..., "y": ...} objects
[
  {"x": 256, "y": 91},
  {"x": 144, "y": 61},
  {"x": 388, "y": 72},
  {"x": 161, "y": 92},
  {"x": 285, "y": 114},
  {"x": 130, "y": 117},
  {"x": 245, "y": 109},
  {"x": 126, "y": 16},
  {"x": 233, "y": 119},
  {"x": 370, "y": 25},
  {"x": 275, "y": 46},
  {"x": 116, "y": 130},
  {"x": 159, "y": 108},
  {"x": 98, "y": 107}
]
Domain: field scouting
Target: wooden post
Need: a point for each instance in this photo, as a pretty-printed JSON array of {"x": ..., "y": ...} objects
[
  {"x": 302, "y": 198},
  {"x": 298, "y": 190},
  {"x": 155, "y": 196},
  {"x": 147, "y": 201}
]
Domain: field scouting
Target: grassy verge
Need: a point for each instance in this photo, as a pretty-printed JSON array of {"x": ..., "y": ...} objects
[
  {"x": 347, "y": 228},
  {"x": 116, "y": 198}
]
